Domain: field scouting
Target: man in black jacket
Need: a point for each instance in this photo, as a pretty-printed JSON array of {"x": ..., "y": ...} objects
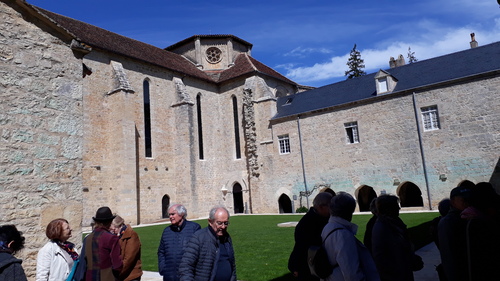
[
  {"x": 308, "y": 233},
  {"x": 209, "y": 255}
]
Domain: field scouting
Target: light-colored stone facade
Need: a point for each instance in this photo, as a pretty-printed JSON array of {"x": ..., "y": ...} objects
[
  {"x": 71, "y": 143},
  {"x": 464, "y": 148},
  {"x": 41, "y": 117}
]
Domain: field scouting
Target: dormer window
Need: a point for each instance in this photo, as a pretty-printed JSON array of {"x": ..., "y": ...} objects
[
  {"x": 385, "y": 82},
  {"x": 382, "y": 85}
]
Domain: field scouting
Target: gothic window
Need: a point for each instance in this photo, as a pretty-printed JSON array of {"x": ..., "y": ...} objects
[
  {"x": 214, "y": 55},
  {"x": 351, "y": 130},
  {"x": 200, "y": 130},
  {"x": 284, "y": 143},
  {"x": 236, "y": 128},
  {"x": 147, "y": 120},
  {"x": 430, "y": 118}
]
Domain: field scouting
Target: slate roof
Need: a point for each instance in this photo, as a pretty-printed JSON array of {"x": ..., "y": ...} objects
[
  {"x": 99, "y": 38},
  {"x": 411, "y": 77}
]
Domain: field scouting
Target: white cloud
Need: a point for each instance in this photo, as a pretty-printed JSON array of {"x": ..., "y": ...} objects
[
  {"x": 303, "y": 52},
  {"x": 435, "y": 41}
]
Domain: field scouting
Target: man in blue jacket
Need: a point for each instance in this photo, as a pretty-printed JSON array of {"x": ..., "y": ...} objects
[
  {"x": 173, "y": 242},
  {"x": 209, "y": 255}
]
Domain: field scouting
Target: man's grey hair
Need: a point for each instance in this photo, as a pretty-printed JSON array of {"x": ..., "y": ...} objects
[
  {"x": 342, "y": 205},
  {"x": 322, "y": 199},
  {"x": 211, "y": 215},
  {"x": 180, "y": 209}
]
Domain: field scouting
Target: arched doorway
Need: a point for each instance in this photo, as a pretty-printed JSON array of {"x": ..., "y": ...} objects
[
  {"x": 285, "y": 204},
  {"x": 410, "y": 195},
  {"x": 467, "y": 184},
  {"x": 165, "y": 202},
  {"x": 329, "y": 190},
  {"x": 365, "y": 197},
  {"x": 238, "y": 199}
]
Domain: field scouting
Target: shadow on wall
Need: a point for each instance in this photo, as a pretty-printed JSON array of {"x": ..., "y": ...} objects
[{"x": 495, "y": 177}]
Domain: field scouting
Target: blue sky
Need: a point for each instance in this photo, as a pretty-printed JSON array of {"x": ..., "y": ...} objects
[{"x": 306, "y": 40}]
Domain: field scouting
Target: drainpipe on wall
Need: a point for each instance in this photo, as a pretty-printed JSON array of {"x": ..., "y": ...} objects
[
  {"x": 422, "y": 151},
  {"x": 302, "y": 160}
]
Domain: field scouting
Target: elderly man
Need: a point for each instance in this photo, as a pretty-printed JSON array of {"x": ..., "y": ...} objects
[
  {"x": 209, "y": 255},
  {"x": 350, "y": 258},
  {"x": 173, "y": 242},
  {"x": 308, "y": 233}
]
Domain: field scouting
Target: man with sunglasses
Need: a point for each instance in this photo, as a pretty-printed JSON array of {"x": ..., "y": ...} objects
[{"x": 209, "y": 255}]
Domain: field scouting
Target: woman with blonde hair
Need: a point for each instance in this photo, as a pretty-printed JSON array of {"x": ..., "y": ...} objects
[
  {"x": 55, "y": 259},
  {"x": 130, "y": 249}
]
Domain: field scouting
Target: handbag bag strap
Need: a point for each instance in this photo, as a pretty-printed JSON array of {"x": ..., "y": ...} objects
[{"x": 330, "y": 233}]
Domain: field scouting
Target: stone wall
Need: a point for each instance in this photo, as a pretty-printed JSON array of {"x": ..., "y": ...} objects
[
  {"x": 465, "y": 148},
  {"x": 41, "y": 117}
]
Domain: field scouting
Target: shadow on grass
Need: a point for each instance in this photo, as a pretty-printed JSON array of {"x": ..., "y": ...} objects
[
  {"x": 286, "y": 277},
  {"x": 420, "y": 235}
]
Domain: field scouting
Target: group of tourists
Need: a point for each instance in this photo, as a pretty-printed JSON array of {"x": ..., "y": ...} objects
[
  {"x": 112, "y": 251},
  {"x": 467, "y": 233},
  {"x": 387, "y": 254}
]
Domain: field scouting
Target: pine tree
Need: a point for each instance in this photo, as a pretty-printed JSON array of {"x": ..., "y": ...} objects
[
  {"x": 411, "y": 56},
  {"x": 356, "y": 64}
]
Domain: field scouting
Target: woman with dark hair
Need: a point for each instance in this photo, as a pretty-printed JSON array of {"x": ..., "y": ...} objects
[
  {"x": 11, "y": 241},
  {"x": 56, "y": 258}
]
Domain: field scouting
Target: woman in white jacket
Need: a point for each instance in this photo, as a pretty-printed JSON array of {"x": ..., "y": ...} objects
[{"x": 56, "y": 258}]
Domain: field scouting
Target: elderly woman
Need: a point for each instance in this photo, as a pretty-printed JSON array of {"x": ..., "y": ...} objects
[
  {"x": 56, "y": 258},
  {"x": 130, "y": 249},
  {"x": 11, "y": 241},
  {"x": 350, "y": 258}
]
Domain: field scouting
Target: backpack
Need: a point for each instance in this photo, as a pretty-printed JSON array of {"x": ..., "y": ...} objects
[{"x": 317, "y": 260}]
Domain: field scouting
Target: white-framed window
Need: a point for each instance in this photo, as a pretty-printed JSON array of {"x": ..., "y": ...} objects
[
  {"x": 382, "y": 85},
  {"x": 430, "y": 118},
  {"x": 351, "y": 130},
  {"x": 284, "y": 142}
]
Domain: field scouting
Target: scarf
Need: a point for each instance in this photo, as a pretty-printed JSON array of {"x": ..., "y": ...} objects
[
  {"x": 122, "y": 230},
  {"x": 69, "y": 248}
]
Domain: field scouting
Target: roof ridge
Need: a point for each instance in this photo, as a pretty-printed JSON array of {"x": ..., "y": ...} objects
[{"x": 247, "y": 57}]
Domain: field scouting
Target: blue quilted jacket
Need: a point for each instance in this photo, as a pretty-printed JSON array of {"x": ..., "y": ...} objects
[
  {"x": 199, "y": 262},
  {"x": 172, "y": 244}
]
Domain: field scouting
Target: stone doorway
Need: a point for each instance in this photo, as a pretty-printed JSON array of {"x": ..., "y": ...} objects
[
  {"x": 165, "y": 202},
  {"x": 238, "y": 199},
  {"x": 285, "y": 204}
]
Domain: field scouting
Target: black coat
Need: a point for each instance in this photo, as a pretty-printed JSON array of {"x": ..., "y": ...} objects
[{"x": 307, "y": 233}]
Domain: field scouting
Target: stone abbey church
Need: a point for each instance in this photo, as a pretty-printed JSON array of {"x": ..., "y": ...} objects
[{"x": 91, "y": 118}]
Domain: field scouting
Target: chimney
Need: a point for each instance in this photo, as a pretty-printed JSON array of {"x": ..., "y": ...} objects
[
  {"x": 395, "y": 63},
  {"x": 473, "y": 42}
]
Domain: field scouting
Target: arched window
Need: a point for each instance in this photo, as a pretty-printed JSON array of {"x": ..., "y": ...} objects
[
  {"x": 238, "y": 198},
  {"x": 236, "y": 128},
  {"x": 147, "y": 120},
  {"x": 200, "y": 127},
  {"x": 165, "y": 202}
]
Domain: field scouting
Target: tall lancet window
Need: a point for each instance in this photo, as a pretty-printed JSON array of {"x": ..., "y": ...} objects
[
  {"x": 200, "y": 127},
  {"x": 236, "y": 128},
  {"x": 147, "y": 120}
]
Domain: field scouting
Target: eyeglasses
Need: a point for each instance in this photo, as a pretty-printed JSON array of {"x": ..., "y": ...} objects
[
  {"x": 172, "y": 214},
  {"x": 220, "y": 223}
]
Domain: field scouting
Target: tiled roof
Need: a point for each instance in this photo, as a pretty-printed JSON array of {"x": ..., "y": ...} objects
[
  {"x": 106, "y": 40},
  {"x": 245, "y": 64},
  {"x": 411, "y": 77},
  {"x": 99, "y": 38},
  {"x": 192, "y": 38}
]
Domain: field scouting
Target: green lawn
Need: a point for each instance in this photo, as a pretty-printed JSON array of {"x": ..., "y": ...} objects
[{"x": 262, "y": 248}]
